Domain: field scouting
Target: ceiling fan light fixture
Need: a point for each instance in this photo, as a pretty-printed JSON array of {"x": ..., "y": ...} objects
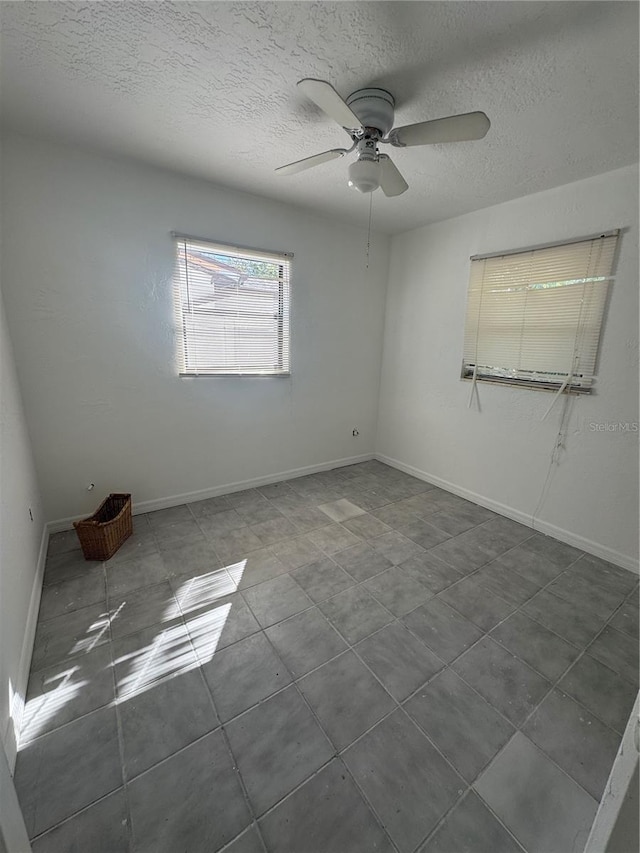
[
  {"x": 367, "y": 116},
  {"x": 364, "y": 175}
]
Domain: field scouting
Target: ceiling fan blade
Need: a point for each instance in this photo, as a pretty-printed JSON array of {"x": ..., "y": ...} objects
[
  {"x": 452, "y": 129},
  {"x": 310, "y": 162},
  {"x": 325, "y": 96},
  {"x": 391, "y": 181}
]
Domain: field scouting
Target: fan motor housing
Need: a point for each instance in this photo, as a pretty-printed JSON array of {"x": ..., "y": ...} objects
[{"x": 374, "y": 108}]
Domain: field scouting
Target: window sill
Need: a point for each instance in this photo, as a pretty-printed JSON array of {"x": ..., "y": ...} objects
[{"x": 523, "y": 383}]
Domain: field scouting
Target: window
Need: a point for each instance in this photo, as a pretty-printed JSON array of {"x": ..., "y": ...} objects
[
  {"x": 534, "y": 317},
  {"x": 232, "y": 309}
]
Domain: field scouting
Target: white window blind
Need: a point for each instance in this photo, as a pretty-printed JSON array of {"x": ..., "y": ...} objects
[
  {"x": 232, "y": 309},
  {"x": 534, "y": 317}
]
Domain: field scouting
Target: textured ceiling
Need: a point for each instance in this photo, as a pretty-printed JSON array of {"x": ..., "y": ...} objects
[{"x": 209, "y": 89}]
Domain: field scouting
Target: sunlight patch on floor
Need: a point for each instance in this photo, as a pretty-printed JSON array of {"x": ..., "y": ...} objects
[
  {"x": 95, "y": 634},
  {"x": 169, "y": 653},
  {"x": 206, "y": 630},
  {"x": 203, "y": 590},
  {"x": 42, "y": 709},
  {"x": 236, "y": 570}
]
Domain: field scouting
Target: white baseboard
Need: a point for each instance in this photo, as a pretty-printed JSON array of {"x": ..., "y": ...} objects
[
  {"x": 13, "y": 833},
  {"x": 603, "y": 551},
  {"x": 225, "y": 489},
  {"x": 17, "y": 701}
]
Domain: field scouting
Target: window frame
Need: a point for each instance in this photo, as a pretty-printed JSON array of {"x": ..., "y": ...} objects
[{"x": 283, "y": 317}]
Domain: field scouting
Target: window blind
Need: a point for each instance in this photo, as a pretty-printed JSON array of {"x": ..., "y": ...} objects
[
  {"x": 232, "y": 309},
  {"x": 534, "y": 317}
]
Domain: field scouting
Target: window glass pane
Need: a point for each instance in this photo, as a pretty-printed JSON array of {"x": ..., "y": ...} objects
[{"x": 233, "y": 310}]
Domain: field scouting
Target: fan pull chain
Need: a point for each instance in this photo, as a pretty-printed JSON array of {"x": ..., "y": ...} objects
[{"x": 369, "y": 228}]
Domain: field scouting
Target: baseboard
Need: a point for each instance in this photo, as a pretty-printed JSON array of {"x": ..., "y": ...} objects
[
  {"x": 17, "y": 704},
  {"x": 13, "y": 833},
  {"x": 225, "y": 489},
  {"x": 588, "y": 545}
]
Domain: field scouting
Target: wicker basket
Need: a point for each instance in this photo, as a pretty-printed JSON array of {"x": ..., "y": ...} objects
[{"x": 104, "y": 532}]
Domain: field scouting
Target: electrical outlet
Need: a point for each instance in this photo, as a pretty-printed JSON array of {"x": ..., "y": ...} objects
[{"x": 355, "y": 433}]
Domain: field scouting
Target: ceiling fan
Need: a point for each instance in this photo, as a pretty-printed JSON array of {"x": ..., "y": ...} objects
[{"x": 367, "y": 116}]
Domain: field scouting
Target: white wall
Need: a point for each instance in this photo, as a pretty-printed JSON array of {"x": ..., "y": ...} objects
[
  {"x": 501, "y": 454},
  {"x": 13, "y": 833},
  {"x": 87, "y": 268},
  {"x": 21, "y": 545}
]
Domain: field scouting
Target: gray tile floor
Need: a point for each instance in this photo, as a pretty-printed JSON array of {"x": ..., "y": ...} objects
[{"x": 351, "y": 661}]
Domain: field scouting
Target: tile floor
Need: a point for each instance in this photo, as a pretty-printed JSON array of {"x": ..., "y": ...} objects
[{"x": 351, "y": 661}]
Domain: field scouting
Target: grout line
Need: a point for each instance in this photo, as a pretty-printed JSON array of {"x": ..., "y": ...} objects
[
  {"x": 121, "y": 753},
  {"x": 519, "y": 730},
  {"x": 79, "y": 812},
  {"x": 120, "y": 698},
  {"x": 394, "y": 619},
  {"x": 227, "y": 742},
  {"x": 468, "y": 792},
  {"x": 173, "y": 754},
  {"x": 245, "y": 831},
  {"x": 547, "y": 678},
  {"x": 337, "y": 753},
  {"x": 554, "y": 685},
  {"x": 398, "y": 705}
]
